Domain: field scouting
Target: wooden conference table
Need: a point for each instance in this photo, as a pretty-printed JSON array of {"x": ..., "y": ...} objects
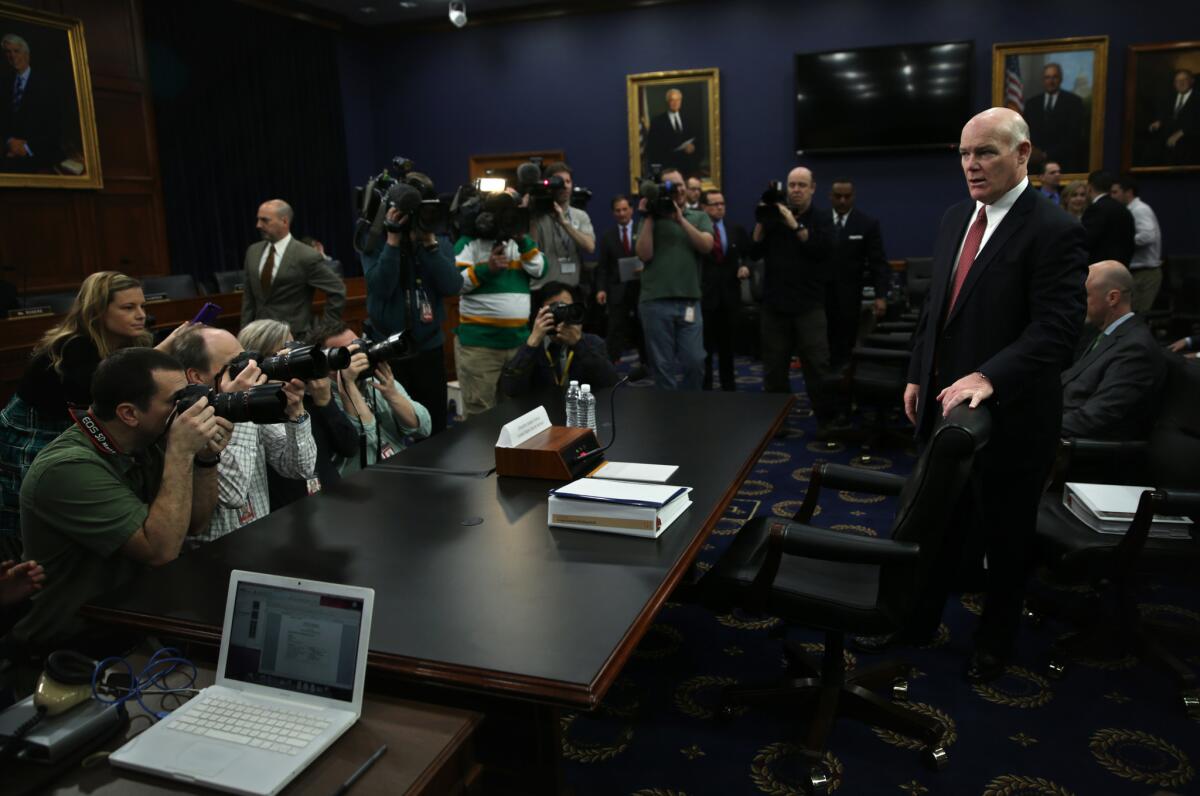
[{"x": 473, "y": 589}]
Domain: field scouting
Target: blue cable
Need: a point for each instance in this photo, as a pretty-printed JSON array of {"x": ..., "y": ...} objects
[{"x": 162, "y": 664}]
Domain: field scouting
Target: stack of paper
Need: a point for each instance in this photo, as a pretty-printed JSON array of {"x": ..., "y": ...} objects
[
  {"x": 1109, "y": 508},
  {"x": 624, "y": 507}
]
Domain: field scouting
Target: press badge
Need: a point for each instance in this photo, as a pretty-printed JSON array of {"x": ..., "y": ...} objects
[
  {"x": 689, "y": 315},
  {"x": 314, "y": 486},
  {"x": 387, "y": 451},
  {"x": 566, "y": 266},
  {"x": 247, "y": 514},
  {"x": 426, "y": 309}
]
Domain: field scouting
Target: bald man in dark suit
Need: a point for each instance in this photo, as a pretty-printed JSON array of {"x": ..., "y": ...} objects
[{"x": 1004, "y": 312}]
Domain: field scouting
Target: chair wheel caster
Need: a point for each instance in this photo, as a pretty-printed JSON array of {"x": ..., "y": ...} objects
[
  {"x": 1055, "y": 670},
  {"x": 1191, "y": 704},
  {"x": 900, "y": 689},
  {"x": 818, "y": 781},
  {"x": 935, "y": 757}
]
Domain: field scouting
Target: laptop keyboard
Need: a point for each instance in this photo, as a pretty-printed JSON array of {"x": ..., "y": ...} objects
[{"x": 252, "y": 724}]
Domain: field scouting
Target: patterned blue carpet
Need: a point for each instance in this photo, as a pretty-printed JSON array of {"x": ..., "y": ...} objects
[{"x": 1109, "y": 727}]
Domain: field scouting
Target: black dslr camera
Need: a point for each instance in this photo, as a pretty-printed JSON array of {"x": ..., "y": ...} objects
[
  {"x": 562, "y": 312},
  {"x": 305, "y": 363},
  {"x": 539, "y": 189},
  {"x": 767, "y": 211},
  {"x": 396, "y": 187},
  {"x": 659, "y": 194},
  {"x": 263, "y": 404},
  {"x": 397, "y": 346}
]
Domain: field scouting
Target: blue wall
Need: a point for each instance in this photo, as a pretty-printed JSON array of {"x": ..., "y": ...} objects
[{"x": 560, "y": 84}]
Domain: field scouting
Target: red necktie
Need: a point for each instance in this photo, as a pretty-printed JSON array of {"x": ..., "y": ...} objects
[
  {"x": 969, "y": 250},
  {"x": 718, "y": 249},
  {"x": 625, "y": 238},
  {"x": 268, "y": 268}
]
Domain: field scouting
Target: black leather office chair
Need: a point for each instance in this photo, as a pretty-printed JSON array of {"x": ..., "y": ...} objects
[
  {"x": 918, "y": 274},
  {"x": 1073, "y": 554},
  {"x": 844, "y": 583},
  {"x": 229, "y": 281},
  {"x": 176, "y": 286}
]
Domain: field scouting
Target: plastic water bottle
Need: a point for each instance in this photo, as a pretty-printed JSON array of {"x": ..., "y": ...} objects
[
  {"x": 587, "y": 407},
  {"x": 572, "y": 406}
]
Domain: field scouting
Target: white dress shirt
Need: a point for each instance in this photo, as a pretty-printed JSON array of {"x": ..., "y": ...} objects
[
  {"x": 995, "y": 214},
  {"x": 1147, "y": 237}
]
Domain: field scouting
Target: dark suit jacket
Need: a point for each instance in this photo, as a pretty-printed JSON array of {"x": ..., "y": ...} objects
[
  {"x": 662, "y": 140},
  {"x": 1109, "y": 229},
  {"x": 37, "y": 121},
  {"x": 608, "y": 251},
  {"x": 301, "y": 270},
  {"x": 1112, "y": 391},
  {"x": 1062, "y": 133},
  {"x": 1017, "y": 320},
  {"x": 858, "y": 257},
  {"x": 1187, "y": 151},
  {"x": 719, "y": 283}
]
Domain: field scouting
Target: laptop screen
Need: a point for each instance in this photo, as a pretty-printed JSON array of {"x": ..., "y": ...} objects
[{"x": 295, "y": 640}]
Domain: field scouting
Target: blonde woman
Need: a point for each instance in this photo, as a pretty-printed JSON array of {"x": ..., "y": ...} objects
[
  {"x": 109, "y": 313},
  {"x": 264, "y": 336},
  {"x": 1074, "y": 198}
]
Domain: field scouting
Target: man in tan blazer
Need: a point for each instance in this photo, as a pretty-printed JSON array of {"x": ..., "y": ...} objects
[{"x": 281, "y": 274}]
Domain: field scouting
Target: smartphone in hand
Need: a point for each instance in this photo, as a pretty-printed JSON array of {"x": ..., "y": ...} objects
[{"x": 208, "y": 314}]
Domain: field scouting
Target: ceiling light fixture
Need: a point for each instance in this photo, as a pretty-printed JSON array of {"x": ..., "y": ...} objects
[{"x": 458, "y": 13}]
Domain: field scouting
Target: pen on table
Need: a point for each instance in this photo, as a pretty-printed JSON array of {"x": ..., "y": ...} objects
[{"x": 345, "y": 786}]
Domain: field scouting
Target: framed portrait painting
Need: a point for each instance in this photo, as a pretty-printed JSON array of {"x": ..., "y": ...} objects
[
  {"x": 675, "y": 121},
  {"x": 1058, "y": 86},
  {"x": 1162, "y": 110},
  {"x": 47, "y": 119}
]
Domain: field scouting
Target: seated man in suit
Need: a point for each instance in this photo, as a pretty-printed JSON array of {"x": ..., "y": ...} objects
[
  {"x": 857, "y": 260},
  {"x": 1058, "y": 122},
  {"x": 30, "y": 111},
  {"x": 675, "y": 137},
  {"x": 282, "y": 273},
  {"x": 721, "y": 272},
  {"x": 1108, "y": 226},
  {"x": 1111, "y": 390}
]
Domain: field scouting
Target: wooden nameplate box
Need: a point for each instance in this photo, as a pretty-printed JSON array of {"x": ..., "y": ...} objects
[{"x": 553, "y": 454}]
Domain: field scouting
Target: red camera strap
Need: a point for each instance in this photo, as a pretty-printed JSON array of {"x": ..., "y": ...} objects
[{"x": 95, "y": 432}]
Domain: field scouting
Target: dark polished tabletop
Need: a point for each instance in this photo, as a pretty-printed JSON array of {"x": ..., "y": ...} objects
[{"x": 473, "y": 589}]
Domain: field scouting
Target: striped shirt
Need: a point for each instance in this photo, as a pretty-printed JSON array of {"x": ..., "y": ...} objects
[{"x": 494, "y": 308}]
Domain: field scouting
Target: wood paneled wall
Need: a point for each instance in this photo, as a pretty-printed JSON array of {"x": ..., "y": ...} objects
[{"x": 51, "y": 238}]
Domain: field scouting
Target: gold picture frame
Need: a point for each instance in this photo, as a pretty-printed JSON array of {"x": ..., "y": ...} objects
[
  {"x": 1068, "y": 129},
  {"x": 700, "y": 124},
  {"x": 1150, "y": 96},
  {"x": 47, "y": 120}
]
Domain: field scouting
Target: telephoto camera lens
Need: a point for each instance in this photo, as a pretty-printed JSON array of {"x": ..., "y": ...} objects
[
  {"x": 338, "y": 358},
  {"x": 398, "y": 346},
  {"x": 261, "y": 405},
  {"x": 304, "y": 363}
]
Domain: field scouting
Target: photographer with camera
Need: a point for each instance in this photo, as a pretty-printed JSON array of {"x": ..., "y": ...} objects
[
  {"x": 496, "y": 272},
  {"x": 407, "y": 281},
  {"x": 281, "y": 438},
  {"x": 120, "y": 489},
  {"x": 557, "y": 350},
  {"x": 563, "y": 233},
  {"x": 795, "y": 242},
  {"x": 671, "y": 242},
  {"x": 383, "y": 427}
]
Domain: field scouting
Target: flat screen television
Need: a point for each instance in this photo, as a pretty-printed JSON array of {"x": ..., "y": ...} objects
[{"x": 910, "y": 96}]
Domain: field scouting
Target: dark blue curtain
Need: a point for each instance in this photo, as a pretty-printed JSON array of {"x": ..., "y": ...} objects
[{"x": 248, "y": 108}]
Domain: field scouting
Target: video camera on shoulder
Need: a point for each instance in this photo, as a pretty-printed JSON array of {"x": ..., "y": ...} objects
[
  {"x": 767, "y": 211},
  {"x": 396, "y": 187},
  {"x": 493, "y": 217},
  {"x": 260, "y": 405},
  {"x": 659, "y": 193}
]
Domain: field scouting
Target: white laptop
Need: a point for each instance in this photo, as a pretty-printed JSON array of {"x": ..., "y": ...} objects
[{"x": 289, "y": 683}]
